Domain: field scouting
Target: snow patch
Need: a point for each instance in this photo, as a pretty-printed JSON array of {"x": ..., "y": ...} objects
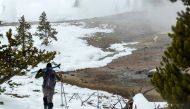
[{"x": 140, "y": 102}]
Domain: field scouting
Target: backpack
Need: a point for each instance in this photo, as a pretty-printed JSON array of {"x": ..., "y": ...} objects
[{"x": 49, "y": 79}]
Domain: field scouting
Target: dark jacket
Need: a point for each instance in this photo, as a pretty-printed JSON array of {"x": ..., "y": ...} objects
[{"x": 45, "y": 73}]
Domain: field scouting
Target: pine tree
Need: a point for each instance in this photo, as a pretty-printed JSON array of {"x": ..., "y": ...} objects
[
  {"x": 172, "y": 79},
  {"x": 186, "y": 2},
  {"x": 45, "y": 31},
  {"x": 13, "y": 61},
  {"x": 23, "y": 36}
]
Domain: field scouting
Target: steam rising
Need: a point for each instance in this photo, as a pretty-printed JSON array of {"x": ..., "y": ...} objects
[{"x": 58, "y": 10}]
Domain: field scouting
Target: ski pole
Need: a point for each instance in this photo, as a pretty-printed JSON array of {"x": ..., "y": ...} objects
[
  {"x": 64, "y": 97},
  {"x": 98, "y": 106},
  {"x": 61, "y": 95}
]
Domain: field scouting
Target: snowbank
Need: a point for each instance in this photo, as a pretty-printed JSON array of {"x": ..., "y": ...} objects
[{"x": 140, "y": 102}]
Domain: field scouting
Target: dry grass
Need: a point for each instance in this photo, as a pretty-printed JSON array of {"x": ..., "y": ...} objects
[{"x": 126, "y": 91}]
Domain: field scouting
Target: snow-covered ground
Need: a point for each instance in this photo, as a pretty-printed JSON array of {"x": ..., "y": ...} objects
[
  {"x": 28, "y": 95},
  {"x": 140, "y": 102},
  {"x": 74, "y": 53},
  {"x": 30, "y": 90}
]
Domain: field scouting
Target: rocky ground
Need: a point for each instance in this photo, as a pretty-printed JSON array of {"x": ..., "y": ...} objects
[{"x": 129, "y": 74}]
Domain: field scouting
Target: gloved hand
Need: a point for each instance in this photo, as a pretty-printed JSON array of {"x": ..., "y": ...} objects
[
  {"x": 40, "y": 70},
  {"x": 39, "y": 74}
]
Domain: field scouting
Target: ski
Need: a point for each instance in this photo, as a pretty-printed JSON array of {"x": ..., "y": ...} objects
[{"x": 57, "y": 66}]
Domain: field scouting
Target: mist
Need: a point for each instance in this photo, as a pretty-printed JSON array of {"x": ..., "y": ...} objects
[
  {"x": 11, "y": 10},
  {"x": 59, "y": 10},
  {"x": 163, "y": 15}
]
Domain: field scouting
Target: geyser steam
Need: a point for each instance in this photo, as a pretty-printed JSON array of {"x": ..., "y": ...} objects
[
  {"x": 58, "y": 10},
  {"x": 11, "y": 10}
]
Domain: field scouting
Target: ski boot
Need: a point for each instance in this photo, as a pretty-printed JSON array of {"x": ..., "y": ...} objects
[
  {"x": 50, "y": 105},
  {"x": 45, "y": 103}
]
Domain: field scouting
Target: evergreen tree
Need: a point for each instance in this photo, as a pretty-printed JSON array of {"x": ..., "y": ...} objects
[
  {"x": 186, "y": 2},
  {"x": 14, "y": 62},
  {"x": 23, "y": 36},
  {"x": 45, "y": 31},
  {"x": 172, "y": 79}
]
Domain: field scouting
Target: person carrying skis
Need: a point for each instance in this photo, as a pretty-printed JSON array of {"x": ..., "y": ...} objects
[{"x": 49, "y": 81}]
